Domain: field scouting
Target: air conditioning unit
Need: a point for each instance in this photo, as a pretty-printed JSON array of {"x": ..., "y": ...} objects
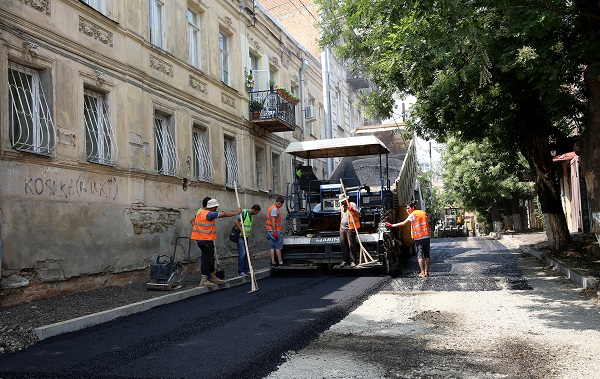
[{"x": 310, "y": 112}]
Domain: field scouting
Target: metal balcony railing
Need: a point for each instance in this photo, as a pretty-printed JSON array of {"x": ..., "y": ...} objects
[{"x": 272, "y": 110}]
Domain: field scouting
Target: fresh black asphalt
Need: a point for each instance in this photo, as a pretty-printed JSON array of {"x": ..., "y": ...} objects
[
  {"x": 233, "y": 334},
  {"x": 225, "y": 334}
]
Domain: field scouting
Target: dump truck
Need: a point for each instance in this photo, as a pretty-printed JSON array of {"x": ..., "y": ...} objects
[{"x": 311, "y": 233}]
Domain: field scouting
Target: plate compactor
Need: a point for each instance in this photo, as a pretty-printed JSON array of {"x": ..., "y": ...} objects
[{"x": 166, "y": 274}]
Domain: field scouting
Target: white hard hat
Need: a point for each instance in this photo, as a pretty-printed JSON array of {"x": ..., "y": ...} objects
[
  {"x": 342, "y": 197},
  {"x": 212, "y": 203}
]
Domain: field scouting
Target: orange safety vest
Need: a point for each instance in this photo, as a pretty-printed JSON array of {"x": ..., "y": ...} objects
[
  {"x": 277, "y": 219},
  {"x": 204, "y": 230},
  {"x": 420, "y": 227},
  {"x": 353, "y": 217}
]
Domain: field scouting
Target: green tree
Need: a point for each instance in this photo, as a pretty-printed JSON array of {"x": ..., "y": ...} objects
[
  {"x": 504, "y": 70},
  {"x": 481, "y": 176},
  {"x": 433, "y": 196}
]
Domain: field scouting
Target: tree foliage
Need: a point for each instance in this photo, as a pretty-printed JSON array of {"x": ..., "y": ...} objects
[
  {"x": 435, "y": 198},
  {"x": 504, "y": 71},
  {"x": 478, "y": 175}
]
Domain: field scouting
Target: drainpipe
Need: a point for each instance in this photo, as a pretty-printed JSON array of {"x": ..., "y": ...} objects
[
  {"x": 327, "y": 105},
  {"x": 302, "y": 96}
]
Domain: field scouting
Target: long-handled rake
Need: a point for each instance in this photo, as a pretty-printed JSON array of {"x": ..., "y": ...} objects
[{"x": 254, "y": 287}]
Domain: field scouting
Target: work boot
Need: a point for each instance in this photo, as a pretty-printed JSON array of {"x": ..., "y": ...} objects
[
  {"x": 214, "y": 279},
  {"x": 205, "y": 283}
]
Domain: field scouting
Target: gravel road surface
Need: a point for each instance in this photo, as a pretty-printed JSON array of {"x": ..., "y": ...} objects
[{"x": 483, "y": 313}]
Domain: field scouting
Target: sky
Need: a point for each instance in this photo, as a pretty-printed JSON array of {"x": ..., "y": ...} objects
[{"x": 423, "y": 147}]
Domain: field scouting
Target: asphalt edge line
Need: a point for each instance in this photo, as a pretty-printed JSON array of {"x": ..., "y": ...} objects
[
  {"x": 583, "y": 281},
  {"x": 86, "y": 321}
]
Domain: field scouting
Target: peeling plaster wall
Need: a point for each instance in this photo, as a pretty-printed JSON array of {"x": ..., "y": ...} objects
[
  {"x": 60, "y": 224},
  {"x": 64, "y": 217}
]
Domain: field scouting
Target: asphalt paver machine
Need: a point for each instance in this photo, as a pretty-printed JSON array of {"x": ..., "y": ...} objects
[{"x": 311, "y": 232}]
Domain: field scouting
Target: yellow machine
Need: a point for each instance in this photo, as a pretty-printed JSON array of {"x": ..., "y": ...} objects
[{"x": 453, "y": 224}]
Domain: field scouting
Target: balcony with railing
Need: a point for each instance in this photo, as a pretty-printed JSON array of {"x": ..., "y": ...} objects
[
  {"x": 355, "y": 77},
  {"x": 273, "y": 110}
]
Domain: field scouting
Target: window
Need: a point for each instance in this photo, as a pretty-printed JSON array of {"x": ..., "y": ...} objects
[
  {"x": 202, "y": 162},
  {"x": 347, "y": 121},
  {"x": 167, "y": 162},
  {"x": 232, "y": 172},
  {"x": 100, "y": 145},
  {"x": 272, "y": 77},
  {"x": 156, "y": 19},
  {"x": 261, "y": 77},
  {"x": 276, "y": 172},
  {"x": 194, "y": 38},
  {"x": 253, "y": 62},
  {"x": 311, "y": 103},
  {"x": 31, "y": 127},
  {"x": 335, "y": 108},
  {"x": 224, "y": 57},
  {"x": 98, "y": 5},
  {"x": 259, "y": 167}
]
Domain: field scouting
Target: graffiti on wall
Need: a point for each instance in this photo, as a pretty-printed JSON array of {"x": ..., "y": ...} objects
[{"x": 72, "y": 188}]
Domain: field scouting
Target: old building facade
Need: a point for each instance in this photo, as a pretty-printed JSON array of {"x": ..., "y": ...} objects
[{"x": 120, "y": 116}]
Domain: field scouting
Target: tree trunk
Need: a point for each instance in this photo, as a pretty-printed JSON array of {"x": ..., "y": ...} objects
[
  {"x": 516, "y": 214},
  {"x": 496, "y": 218},
  {"x": 589, "y": 145},
  {"x": 507, "y": 214},
  {"x": 534, "y": 137}
]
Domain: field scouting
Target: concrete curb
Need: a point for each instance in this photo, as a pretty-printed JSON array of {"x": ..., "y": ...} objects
[
  {"x": 83, "y": 322},
  {"x": 583, "y": 281}
]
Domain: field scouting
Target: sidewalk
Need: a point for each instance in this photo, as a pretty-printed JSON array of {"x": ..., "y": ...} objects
[
  {"x": 579, "y": 263},
  {"x": 24, "y": 324}
]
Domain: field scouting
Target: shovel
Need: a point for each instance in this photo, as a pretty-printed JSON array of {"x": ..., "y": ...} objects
[{"x": 254, "y": 287}]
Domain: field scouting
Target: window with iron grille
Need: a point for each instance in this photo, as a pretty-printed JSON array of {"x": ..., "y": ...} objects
[
  {"x": 232, "y": 172},
  {"x": 100, "y": 142},
  {"x": 224, "y": 57},
  {"x": 202, "y": 163},
  {"x": 156, "y": 19},
  {"x": 194, "y": 36},
  {"x": 167, "y": 162},
  {"x": 31, "y": 126},
  {"x": 259, "y": 167},
  {"x": 276, "y": 172}
]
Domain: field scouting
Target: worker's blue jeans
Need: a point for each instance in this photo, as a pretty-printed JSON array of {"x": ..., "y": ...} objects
[{"x": 243, "y": 265}]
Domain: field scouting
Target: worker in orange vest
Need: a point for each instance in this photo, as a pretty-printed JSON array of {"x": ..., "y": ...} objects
[
  {"x": 421, "y": 234},
  {"x": 275, "y": 232},
  {"x": 205, "y": 232},
  {"x": 349, "y": 224}
]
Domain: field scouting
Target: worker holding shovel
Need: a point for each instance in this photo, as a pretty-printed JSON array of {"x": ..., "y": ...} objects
[
  {"x": 247, "y": 217},
  {"x": 349, "y": 224}
]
